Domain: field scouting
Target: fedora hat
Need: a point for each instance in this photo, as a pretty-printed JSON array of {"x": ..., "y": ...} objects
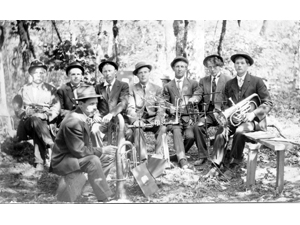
[
  {"x": 244, "y": 55},
  {"x": 179, "y": 58},
  {"x": 74, "y": 64},
  {"x": 104, "y": 62},
  {"x": 165, "y": 77},
  {"x": 141, "y": 65},
  {"x": 36, "y": 64},
  {"x": 86, "y": 91},
  {"x": 211, "y": 56}
]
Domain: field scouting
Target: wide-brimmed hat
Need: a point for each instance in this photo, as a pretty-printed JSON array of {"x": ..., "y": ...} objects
[
  {"x": 74, "y": 65},
  {"x": 211, "y": 56},
  {"x": 179, "y": 58},
  {"x": 244, "y": 55},
  {"x": 101, "y": 65},
  {"x": 86, "y": 91},
  {"x": 165, "y": 77},
  {"x": 36, "y": 64},
  {"x": 141, "y": 65}
]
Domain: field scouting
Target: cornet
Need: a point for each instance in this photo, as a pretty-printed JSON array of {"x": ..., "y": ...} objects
[{"x": 236, "y": 111}]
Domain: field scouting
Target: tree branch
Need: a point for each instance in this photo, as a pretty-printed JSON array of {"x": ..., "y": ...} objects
[{"x": 55, "y": 27}]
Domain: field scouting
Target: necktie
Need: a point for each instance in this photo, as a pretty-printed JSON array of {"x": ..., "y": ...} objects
[
  {"x": 108, "y": 90},
  {"x": 144, "y": 89},
  {"x": 213, "y": 89},
  {"x": 240, "y": 82},
  {"x": 74, "y": 88},
  {"x": 178, "y": 86}
]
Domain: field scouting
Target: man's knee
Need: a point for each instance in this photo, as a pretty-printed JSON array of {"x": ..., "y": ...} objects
[
  {"x": 189, "y": 133},
  {"x": 94, "y": 162}
]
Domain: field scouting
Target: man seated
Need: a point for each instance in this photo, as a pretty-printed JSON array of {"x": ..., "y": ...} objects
[
  {"x": 40, "y": 107},
  {"x": 187, "y": 91},
  {"x": 212, "y": 94},
  {"x": 239, "y": 88},
  {"x": 144, "y": 109},
  {"x": 67, "y": 92},
  {"x": 73, "y": 150},
  {"x": 113, "y": 97}
]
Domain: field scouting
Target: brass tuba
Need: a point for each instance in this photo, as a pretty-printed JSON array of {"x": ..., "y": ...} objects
[{"x": 237, "y": 111}]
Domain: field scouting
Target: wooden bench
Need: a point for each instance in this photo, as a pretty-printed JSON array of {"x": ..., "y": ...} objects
[{"x": 270, "y": 141}]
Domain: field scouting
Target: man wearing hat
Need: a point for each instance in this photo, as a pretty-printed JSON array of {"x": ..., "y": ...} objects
[
  {"x": 144, "y": 109},
  {"x": 188, "y": 90},
  {"x": 212, "y": 97},
  {"x": 67, "y": 92},
  {"x": 114, "y": 93},
  {"x": 41, "y": 106},
  {"x": 165, "y": 79},
  {"x": 239, "y": 88},
  {"x": 73, "y": 150}
]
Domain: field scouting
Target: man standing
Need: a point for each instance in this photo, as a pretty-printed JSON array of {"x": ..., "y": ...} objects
[
  {"x": 67, "y": 92},
  {"x": 144, "y": 109},
  {"x": 212, "y": 96},
  {"x": 165, "y": 79},
  {"x": 113, "y": 93},
  {"x": 41, "y": 106},
  {"x": 73, "y": 151},
  {"x": 188, "y": 91},
  {"x": 239, "y": 88}
]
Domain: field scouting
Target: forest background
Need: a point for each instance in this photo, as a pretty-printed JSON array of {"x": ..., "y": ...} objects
[{"x": 274, "y": 46}]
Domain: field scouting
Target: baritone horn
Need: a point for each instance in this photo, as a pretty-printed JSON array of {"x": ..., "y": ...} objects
[{"x": 237, "y": 111}]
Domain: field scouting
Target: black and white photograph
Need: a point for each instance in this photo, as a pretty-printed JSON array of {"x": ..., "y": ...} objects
[{"x": 146, "y": 111}]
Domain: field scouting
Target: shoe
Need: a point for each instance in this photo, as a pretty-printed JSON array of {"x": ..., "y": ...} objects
[
  {"x": 186, "y": 166},
  {"x": 200, "y": 162},
  {"x": 39, "y": 167},
  {"x": 173, "y": 158}
]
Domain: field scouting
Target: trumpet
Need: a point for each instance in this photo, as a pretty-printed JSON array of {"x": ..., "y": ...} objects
[{"x": 236, "y": 111}]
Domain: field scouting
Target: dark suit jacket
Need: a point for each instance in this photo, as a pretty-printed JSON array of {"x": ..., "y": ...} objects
[
  {"x": 251, "y": 85},
  {"x": 72, "y": 142},
  {"x": 190, "y": 89},
  {"x": 66, "y": 98},
  {"x": 117, "y": 101},
  {"x": 205, "y": 90},
  {"x": 137, "y": 105}
]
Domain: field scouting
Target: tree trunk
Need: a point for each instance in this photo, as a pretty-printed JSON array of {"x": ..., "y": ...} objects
[
  {"x": 169, "y": 42},
  {"x": 56, "y": 30},
  {"x": 180, "y": 32},
  {"x": 116, "y": 34},
  {"x": 3, "y": 111},
  {"x": 222, "y": 37},
  {"x": 25, "y": 45},
  {"x": 264, "y": 28}
]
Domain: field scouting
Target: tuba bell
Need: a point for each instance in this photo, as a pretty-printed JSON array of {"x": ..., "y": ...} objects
[{"x": 237, "y": 111}]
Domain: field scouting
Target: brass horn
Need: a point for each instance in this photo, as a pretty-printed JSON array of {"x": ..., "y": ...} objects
[{"x": 237, "y": 111}]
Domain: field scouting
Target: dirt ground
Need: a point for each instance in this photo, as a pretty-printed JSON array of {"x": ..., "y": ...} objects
[{"x": 19, "y": 182}]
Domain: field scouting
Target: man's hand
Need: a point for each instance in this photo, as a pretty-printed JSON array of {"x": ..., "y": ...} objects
[
  {"x": 249, "y": 117},
  {"x": 107, "y": 118},
  {"x": 97, "y": 119},
  {"x": 139, "y": 123},
  {"x": 109, "y": 150}
]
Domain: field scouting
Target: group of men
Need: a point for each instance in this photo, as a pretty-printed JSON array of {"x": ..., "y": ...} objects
[{"x": 85, "y": 112}]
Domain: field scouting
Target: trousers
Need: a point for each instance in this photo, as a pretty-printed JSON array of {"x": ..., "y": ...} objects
[
  {"x": 238, "y": 142},
  {"x": 97, "y": 169},
  {"x": 37, "y": 129}
]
